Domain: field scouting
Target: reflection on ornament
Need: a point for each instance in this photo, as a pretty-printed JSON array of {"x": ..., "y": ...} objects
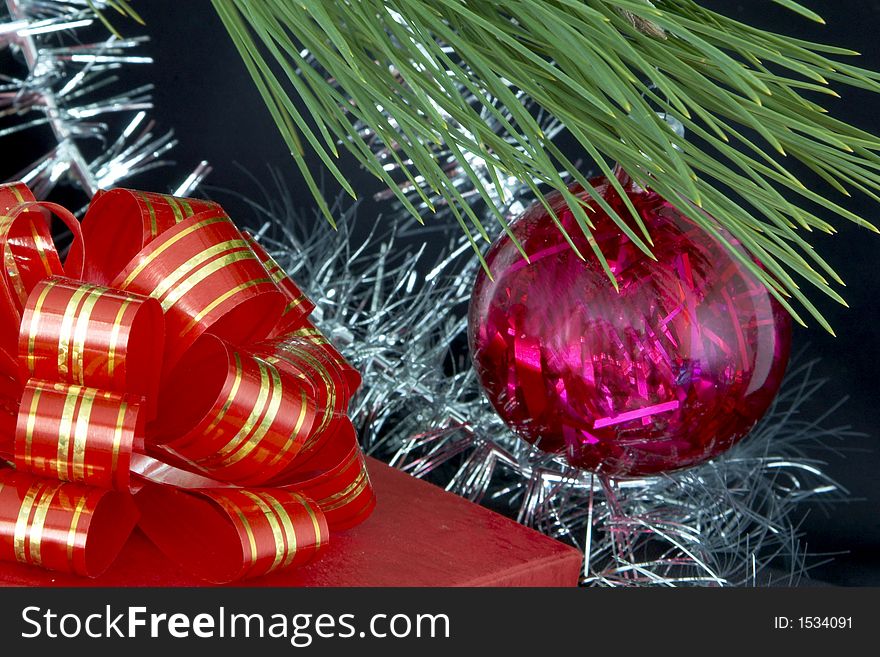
[{"x": 666, "y": 373}]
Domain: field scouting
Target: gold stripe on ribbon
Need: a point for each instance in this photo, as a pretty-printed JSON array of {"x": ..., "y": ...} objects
[
  {"x": 340, "y": 499},
  {"x": 289, "y": 531},
  {"x": 154, "y": 226},
  {"x": 343, "y": 497},
  {"x": 74, "y": 525},
  {"x": 219, "y": 300},
  {"x": 296, "y": 302},
  {"x": 172, "y": 203},
  {"x": 23, "y": 521},
  {"x": 81, "y": 434},
  {"x": 80, "y": 332},
  {"x": 319, "y": 539},
  {"x": 41, "y": 247},
  {"x": 35, "y": 325},
  {"x": 65, "y": 333},
  {"x": 265, "y": 424},
  {"x": 233, "y": 508},
  {"x": 250, "y": 436},
  {"x": 275, "y": 271},
  {"x": 296, "y": 429},
  {"x": 329, "y": 384},
  {"x": 251, "y": 422},
  {"x": 148, "y": 260},
  {"x": 65, "y": 430},
  {"x": 186, "y": 270},
  {"x": 117, "y": 436},
  {"x": 114, "y": 337},
  {"x": 31, "y": 426},
  {"x": 274, "y": 525},
  {"x": 200, "y": 275},
  {"x": 323, "y": 372},
  {"x": 236, "y": 384},
  {"x": 14, "y": 274},
  {"x": 39, "y": 521}
]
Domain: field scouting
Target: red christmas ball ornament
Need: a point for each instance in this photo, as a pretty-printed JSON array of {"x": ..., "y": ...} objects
[{"x": 667, "y": 372}]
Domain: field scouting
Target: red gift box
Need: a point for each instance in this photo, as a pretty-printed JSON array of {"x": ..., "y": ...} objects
[
  {"x": 419, "y": 535},
  {"x": 168, "y": 375}
]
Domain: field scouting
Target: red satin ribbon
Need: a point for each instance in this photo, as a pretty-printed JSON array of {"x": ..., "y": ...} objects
[{"x": 165, "y": 375}]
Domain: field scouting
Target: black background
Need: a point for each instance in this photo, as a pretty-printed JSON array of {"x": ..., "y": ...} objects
[{"x": 204, "y": 93}]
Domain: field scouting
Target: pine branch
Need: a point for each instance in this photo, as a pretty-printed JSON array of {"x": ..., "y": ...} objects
[
  {"x": 119, "y": 6},
  {"x": 603, "y": 68}
]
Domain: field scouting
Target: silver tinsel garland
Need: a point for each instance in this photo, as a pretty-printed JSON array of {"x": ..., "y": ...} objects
[
  {"x": 70, "y": 86},
  {"x": 399, "y": 316},
  {"x": 730, "y": 522}
]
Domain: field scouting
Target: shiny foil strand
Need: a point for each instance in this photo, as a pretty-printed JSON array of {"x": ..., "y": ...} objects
[
  {"x": 399, "y": 317},
  {"x": 76, "y": 89}
]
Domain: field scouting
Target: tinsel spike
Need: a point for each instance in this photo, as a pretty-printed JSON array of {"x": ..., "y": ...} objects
[
  {"x": 60, "y": 90},
  {"x": 730, "y": 522}
]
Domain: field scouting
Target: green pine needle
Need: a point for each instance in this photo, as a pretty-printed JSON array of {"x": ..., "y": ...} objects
[
  {"x": 120, "y": 7},
  {"x": 603, "y": 68}
]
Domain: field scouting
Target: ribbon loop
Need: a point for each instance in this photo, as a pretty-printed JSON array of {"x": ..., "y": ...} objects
[
  {"x": 14, "y": 194},
  {"x": 206, "y": 277},
  {"x": 308, "y": 335},
  {"x": 28, "y": 250},
  {"x": 230, "y": 534},
  {"x": 235, "y": 416},
  {"x": 121, "y": 222},
  {"x": 77, "y": 434},
  {"x": 93, "y": 336},
  {"x": 337, "y": 479},
  {"x": 298, "y": 306},
  {"x": 10, "y": 394},
  {"x": 138, "y": 379},
  {"x": 305, "y": 358},
  {"x": 66, "y": 527},
  {"x": 232, "y": 407}
]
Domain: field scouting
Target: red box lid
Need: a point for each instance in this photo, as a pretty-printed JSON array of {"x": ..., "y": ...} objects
[{"x": 419, "y": 535}]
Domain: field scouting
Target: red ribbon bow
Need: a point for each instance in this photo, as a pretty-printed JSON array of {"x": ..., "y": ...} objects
[{"x": 166, "y": 376}]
